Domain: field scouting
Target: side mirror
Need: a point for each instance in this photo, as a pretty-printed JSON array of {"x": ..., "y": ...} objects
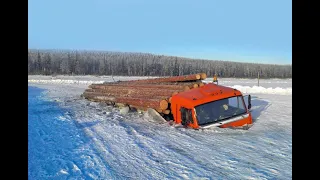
[{"x": 247, "y": 100}]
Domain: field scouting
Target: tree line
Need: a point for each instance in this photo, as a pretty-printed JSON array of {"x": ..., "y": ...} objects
[{"x": 72, "y": 62}]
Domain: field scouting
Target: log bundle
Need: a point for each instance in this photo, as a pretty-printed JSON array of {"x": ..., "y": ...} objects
[{"x": 142, "y": 94}]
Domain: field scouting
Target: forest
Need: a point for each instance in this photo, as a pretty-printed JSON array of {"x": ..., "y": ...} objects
[{"x": 74, "y": 62}]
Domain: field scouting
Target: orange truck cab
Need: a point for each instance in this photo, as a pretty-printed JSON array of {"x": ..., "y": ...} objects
[{"x": 211, "y": 105}]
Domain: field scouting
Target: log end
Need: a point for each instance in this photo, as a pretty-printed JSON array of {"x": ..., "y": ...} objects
[
  {"x": 203, "y": 76},
  {"x": 198, "y": 76},
  {"x": 174, "y": 93},
  {"x": 164, "y": 104},
  {"x": 195, "y": 86},
  {"x": 201, "y": 84},
  {"x": 186, "y": 88}
]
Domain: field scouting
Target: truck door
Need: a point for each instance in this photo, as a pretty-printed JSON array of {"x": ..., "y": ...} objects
[{"x": 186, "y": 116}]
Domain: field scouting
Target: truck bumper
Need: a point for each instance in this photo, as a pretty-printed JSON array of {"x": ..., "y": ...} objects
[{"x": 243, "y": 121}]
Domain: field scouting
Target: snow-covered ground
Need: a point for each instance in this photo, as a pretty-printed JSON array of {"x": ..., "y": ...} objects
[
  {"x": 266, "y": 86},
  {"x": 133, "y": 147}
]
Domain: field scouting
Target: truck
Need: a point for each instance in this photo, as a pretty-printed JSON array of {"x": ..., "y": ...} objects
[
  {"x": 183, "y": 100},
  {"x": 212, "y": 106}
]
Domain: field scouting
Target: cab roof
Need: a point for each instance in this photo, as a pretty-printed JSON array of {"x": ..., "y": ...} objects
[{"x": 208, "y": 92}]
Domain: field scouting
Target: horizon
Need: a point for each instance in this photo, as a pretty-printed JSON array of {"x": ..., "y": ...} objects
[
  {"x": 246, "y": 31},
  {"x": 157, "y": 55}
]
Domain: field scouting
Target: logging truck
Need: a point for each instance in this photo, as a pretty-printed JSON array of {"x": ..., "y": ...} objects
[{"x": 184, "y": 100}]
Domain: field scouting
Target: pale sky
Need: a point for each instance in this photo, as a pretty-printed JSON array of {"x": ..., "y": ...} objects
[{"x": 233, "y": 30}]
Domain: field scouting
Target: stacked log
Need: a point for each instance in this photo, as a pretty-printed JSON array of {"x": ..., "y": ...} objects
[
  {"x": 192, "y": 77},
  {"x": 142, "y": 94}
]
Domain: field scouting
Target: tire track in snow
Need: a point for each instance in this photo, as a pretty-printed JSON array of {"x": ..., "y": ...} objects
[
  {"x": 174, "y": 153},
  {"x": 143, "y": 154},
  {"x": 101, "y": 151},
  {"x": 101, "y": 138},
  {"x": 141, "y": 140}
]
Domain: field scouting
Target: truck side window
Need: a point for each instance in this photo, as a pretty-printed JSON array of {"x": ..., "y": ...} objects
[
  {"x": 186, "y": 116},
  {"x": 236, "y": 102}
]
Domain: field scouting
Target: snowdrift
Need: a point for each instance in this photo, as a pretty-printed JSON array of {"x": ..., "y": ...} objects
[
  {"x": 243, "y": 89},
  {"x": 263, "y": 90},
  {"x": 61, "y": 81}
]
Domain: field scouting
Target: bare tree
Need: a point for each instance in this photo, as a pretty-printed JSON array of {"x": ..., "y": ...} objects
[{"x": 143, "y": 64}]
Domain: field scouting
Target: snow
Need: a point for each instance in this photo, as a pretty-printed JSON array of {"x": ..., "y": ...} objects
[
  {"x": 131, "y": 146},
  {"x": 263, "y": 90},
  {"x": 124, "y": 110},
  {"x": 267, "y": 83},
  {"x": 283, "y": 87},
  {"x": 87, "y": 80}
]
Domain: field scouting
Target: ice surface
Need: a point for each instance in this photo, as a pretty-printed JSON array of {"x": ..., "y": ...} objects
[{"x": 134, "y": 147}]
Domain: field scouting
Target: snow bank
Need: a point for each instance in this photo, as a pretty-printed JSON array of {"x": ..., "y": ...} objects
[
  {"x": 61, "y": 81},
  {"x": 263, "y": 90},
  {"x": 267, "y": 83},
  {"x": 244, "y": 89}
]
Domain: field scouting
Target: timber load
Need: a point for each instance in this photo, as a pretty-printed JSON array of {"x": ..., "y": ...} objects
[{"x": 143, "y": 94}]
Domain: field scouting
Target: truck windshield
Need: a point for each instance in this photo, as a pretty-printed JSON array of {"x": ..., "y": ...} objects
[{"x": 219, "y": 110}]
